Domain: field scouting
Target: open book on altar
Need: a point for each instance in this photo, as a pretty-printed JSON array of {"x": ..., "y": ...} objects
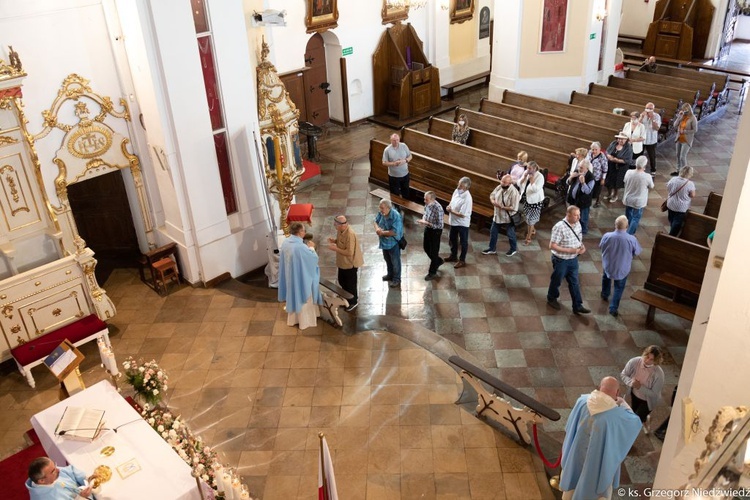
[{"x": 83, "y": 424}]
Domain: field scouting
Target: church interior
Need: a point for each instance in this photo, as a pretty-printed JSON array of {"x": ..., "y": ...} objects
[{"x": 158, "y": 150}]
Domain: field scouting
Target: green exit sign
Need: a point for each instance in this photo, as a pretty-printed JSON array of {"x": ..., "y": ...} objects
[
  {"x": 592, "y": 36},
  {"x": 347, "y": 51}
]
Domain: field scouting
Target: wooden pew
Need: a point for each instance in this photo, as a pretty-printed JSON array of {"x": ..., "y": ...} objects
[
  {"x": 484, "y": 76},
  {"x": 713, "y": 205},
  {"x": 563, "y": 125},
  {"x": 702, "y": 77},
  {"x": 690, "y": 96},
  {"x": 697, "y": 227},
  {"x": 471, "y": 159},
  {"x": 706, "y": 89},
  {"x": 521, "y": 131},
  {"x": 676, "y": 273},
  {"x": 675, "y": 256},
  {"x": 605, "y": 103},
  {"x": 430, "y": 174},
  {"x": 666, "y": 106},
  {"x": 554, "y": 160},
  {"x": 595, "y": 117}
]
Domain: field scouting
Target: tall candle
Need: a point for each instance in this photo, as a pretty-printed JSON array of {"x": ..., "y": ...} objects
[
  {"x": 277, "y": 154},
  {"x": 112, "y": 364}
]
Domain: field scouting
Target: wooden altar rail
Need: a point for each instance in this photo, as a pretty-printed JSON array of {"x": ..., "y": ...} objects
[{"x": 492, "y": 405}]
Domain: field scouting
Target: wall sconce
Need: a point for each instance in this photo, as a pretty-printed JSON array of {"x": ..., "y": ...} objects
[{"x": 601, "y": 15}]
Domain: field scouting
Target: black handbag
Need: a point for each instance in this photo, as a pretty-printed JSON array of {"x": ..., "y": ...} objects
[
  {"x": 402, "y": 243},
  {"x": 516, "y": 218}
]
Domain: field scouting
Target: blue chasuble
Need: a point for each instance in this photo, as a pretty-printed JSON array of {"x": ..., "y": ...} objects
[
  {"x": 598, "y": 436},
  {"x": 70, "y": 481},
  {"x": 299, "y": 274}
]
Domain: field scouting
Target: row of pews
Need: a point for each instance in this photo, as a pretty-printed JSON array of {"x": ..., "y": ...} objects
[{"x": 678, "y": 264}]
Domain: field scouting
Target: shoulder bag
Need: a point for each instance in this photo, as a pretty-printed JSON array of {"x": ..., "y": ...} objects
[{"x": 664, "y": 203}]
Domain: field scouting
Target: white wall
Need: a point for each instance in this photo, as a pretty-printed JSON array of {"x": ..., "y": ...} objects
[
  {"x": 716, "y": 367},
  {"x": 636, "y": 16}
]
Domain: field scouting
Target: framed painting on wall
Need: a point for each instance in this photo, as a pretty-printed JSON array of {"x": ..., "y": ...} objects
[
  {"x": 461, "y": 10},
  {"x": 554, "y": 24},
  {"x": 393, "y": 14},
  {"x": 322, "y": 15}
]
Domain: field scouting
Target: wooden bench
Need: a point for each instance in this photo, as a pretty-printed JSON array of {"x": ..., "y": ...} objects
[
  {"x": 32, "y": 353},
  {"x": 398, "y": 200},
  {"x": 523, "y": 132},
  {"x": 430, "y": 174},
  {"x": 492, "y": 405},
  {"x": 681, "y": 285},
  {"x": 562, "y": 125},
  {"x": 697, "y": 227},
  {"x": 655, "y": 302},
  {"x": 713, "y": 204},
  {"x": 632, "y": 39},
  {"x": 707, "y": 102},
  {"x": 675, "y": 256},
  {"x": 678, "y": 94},
  {"x": 632, "y": 100},
  {"x": 450, "y": 87},
  {"x": 588, "y": 115},
  {"x": 554, "y": 161}
]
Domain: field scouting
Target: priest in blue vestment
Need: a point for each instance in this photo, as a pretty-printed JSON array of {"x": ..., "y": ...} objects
[
  {"x": 299, "y": 278},
  {"x": 48, "y": 482},
  {"x": 601, "y": 429}
]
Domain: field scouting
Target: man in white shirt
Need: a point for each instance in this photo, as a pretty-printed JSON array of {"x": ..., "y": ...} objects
[
  {"x": 651, "y": 120},
  {"x": 460, "y": 217},
  {"x": 637, "y": 184}
]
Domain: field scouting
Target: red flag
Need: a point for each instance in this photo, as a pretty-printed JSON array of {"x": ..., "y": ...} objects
[{"x": 326, "y": 478}]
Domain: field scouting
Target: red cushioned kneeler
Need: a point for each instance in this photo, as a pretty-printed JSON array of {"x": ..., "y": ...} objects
[
  {"x": 300, "y": 212},
  {"x": 32, "y": 353}
]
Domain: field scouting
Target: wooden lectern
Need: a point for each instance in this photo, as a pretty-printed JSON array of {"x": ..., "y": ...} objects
[
  {"x": 63, "y": 362},
  {"x": 406, "y": 84}
]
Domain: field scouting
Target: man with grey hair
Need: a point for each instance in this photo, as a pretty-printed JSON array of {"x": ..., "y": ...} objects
[
  {"x": 635, "y": 198},
  {"x": 396, "y": 157},
  {"x": 390, "y": 229},
  {"x": 460, "y": 217},
  {"x": 652, "y": 121},
  {"x": 348, "y": 257},
  {"x": 618, "y": 249},
  {"x": 47, "y": 481}
]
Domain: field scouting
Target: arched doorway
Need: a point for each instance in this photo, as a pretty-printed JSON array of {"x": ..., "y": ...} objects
[{"x": 317, "y": 86}]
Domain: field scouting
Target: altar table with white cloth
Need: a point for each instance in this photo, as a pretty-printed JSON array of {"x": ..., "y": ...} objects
[{"x": 163, "y": 474}]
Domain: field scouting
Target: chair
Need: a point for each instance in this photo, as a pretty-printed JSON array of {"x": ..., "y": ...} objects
[{"x": 165, "y": 270}]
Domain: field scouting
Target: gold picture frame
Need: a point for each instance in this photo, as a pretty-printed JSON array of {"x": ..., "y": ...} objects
[
  {"x": 322, "y": 15},
  {"x": 394, "y": 14},
  {"x": 461, "y": 10}
]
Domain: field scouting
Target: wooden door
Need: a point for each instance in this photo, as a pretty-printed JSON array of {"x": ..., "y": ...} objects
[
  {"x": 315, "y": 78},
  {"x": 295, "y": 85},
  {"x": 102, "y": 213}
]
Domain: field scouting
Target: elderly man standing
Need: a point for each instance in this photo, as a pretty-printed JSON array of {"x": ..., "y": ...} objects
[
  {"x": 652, "y": 122},
  {"x": 299, "y": 279},
  {"x": 390, "y": 229},
  {"x": 460, "y": 217},
  {"x": 618, "y": 249},
  {"x": 637, "y": 184},
  {"x": 600, "y": 431},
  {"x": 566, "y": 245},
  {"x": 348, "y": 257},
  {"x": 396, "y": 157},
  {"x": 432, "y": 220},
  {"x": 506, "y": 202}
]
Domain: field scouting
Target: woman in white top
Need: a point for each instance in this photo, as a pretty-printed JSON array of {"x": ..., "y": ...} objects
[
  {"x": 532, "y": 196},
  {"x": 636, "y": 133}
]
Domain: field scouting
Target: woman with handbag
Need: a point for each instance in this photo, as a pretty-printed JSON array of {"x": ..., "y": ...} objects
[
  {"x": 505, "y": 202},
  {"x": 532, "y": 196},
  {"x": 680, "y": 192}
]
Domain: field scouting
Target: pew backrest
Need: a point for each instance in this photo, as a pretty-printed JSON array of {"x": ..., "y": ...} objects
[
  {"x": 630, "y": 99},
  {"x": 697, "y": 227},
  {"x": 706, "y": 89},
  {"x": 563, "y": 125},
  {"x": 713, "y": 204},
  {"x": 675, "y": 256},
  {"x": 690, "y": 96},
  {"x": 595, "y": 117}
]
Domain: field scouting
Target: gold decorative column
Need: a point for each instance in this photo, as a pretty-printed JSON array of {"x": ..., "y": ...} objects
[{"x": 279, "y": 129}]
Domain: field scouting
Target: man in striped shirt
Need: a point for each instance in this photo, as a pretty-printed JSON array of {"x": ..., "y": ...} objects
[{"x": 433, "y": 230}]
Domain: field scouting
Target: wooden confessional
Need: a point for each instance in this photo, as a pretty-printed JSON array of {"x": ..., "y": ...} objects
[
  {"x": 406, "y": 84},
  {"x": 680, "y": 29}
]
